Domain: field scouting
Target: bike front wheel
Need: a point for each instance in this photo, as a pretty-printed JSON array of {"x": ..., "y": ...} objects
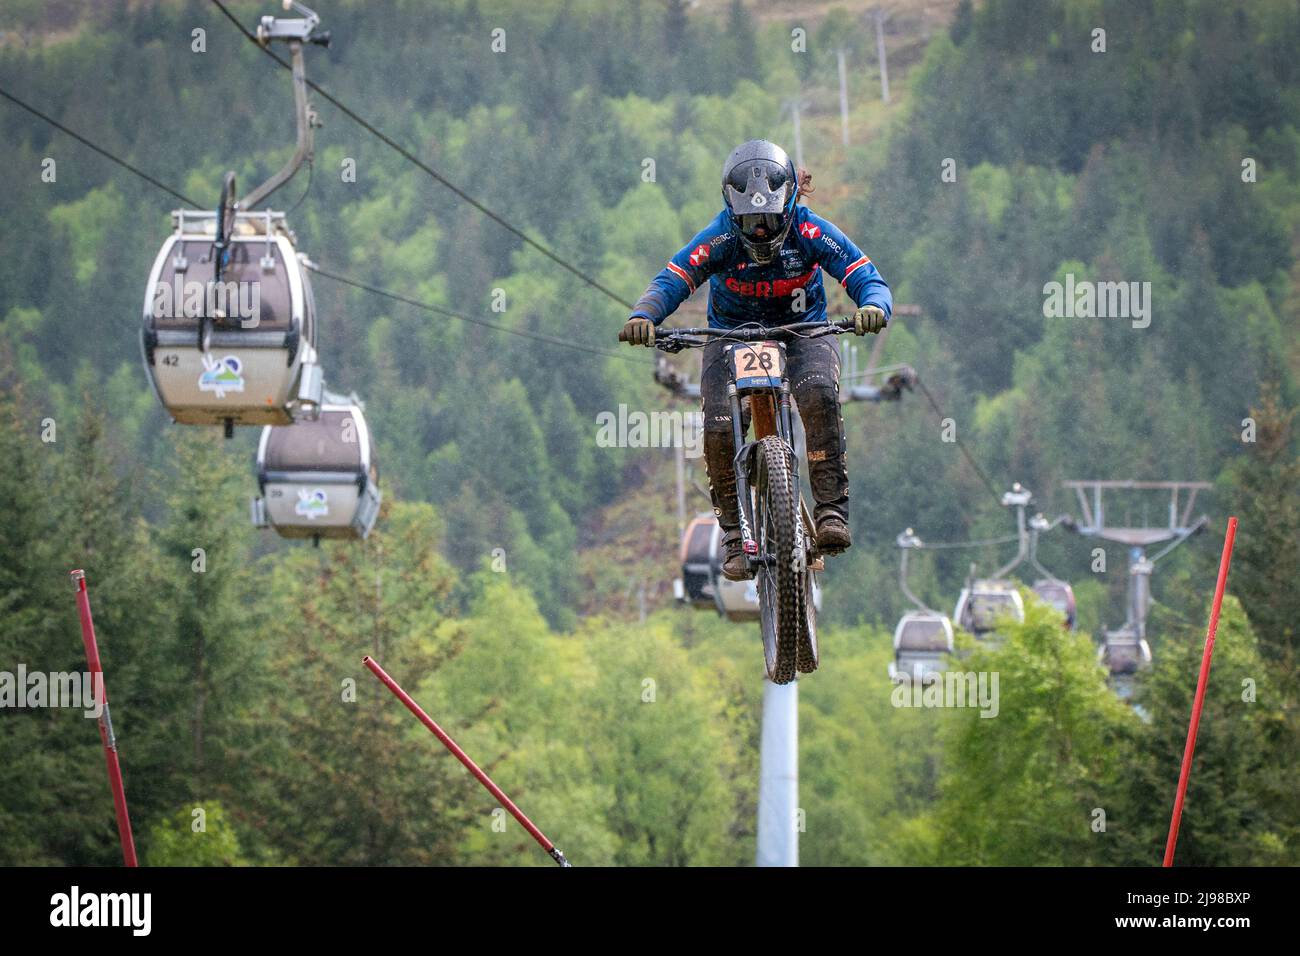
[{"x": 782, "y": 569}]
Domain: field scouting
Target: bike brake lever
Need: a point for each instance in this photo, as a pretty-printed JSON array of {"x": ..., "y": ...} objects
[{"x": 677, "y": 343}]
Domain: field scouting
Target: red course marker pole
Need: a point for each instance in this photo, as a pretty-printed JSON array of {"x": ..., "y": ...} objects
[
  {"x": 470, "y": 765},
  {"x": 105, "y": 722},
  {"x": 1199, "y": 700}
]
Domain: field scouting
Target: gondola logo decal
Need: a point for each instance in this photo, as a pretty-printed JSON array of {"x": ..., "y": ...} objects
[
  {"x": 312, "y": 504},
  {"x": 221, "y": 375}
]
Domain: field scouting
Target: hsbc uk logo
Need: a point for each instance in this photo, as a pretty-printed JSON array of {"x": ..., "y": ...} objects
[
  {"x": 810, "y": 230},
  {"x": 699, "y": 254}
]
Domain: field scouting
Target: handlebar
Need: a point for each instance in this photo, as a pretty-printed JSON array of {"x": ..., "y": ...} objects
[{"x": 674, "y": 340}]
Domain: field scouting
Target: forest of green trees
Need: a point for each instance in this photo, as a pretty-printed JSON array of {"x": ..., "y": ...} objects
[{"x": 1173, "y": 157}]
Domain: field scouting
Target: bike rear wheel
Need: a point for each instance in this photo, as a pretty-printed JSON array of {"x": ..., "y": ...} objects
[{"x": 781, "y": 573}]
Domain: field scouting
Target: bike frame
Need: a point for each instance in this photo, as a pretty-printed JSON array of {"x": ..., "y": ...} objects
[
  {"x": 771, "y": 414},
  {"x": 768, "y": 542},
  {"x": 769, "y": 404}
]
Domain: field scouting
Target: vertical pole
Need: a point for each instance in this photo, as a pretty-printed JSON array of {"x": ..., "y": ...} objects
[
  {"x": 106, "y": 735},
  {"x": 1130, "y": 595},
  {"x": 844, "y": 97},
  {"x": 778, "y": 776},
  {"x": 680, "y": 467},
  {"x": 880, "y": 55},
  {"x": 1140, "y": 588},
  {"x": 1199, "y": 700},
  {"x": 1022, "y": 533}
]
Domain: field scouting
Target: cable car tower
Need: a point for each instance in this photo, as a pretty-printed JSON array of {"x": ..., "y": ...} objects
[
  {"x": 1125, "y": 649},
  {"x": 924, "y": 636},
  {"x": 229, "y": 334}
]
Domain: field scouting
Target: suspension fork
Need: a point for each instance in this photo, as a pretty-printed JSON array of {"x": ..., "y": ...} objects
[
  {"x": 748, "y": 542},
  {"x": 786, "y": 418},
  {"x": 785, "y": 415}
]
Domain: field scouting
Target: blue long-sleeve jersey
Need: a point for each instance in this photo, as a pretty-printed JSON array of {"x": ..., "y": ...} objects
[{"x": 787, "y": 289}]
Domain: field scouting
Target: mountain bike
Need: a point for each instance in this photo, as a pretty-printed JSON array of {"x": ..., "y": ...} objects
[{"x": 779, "y": 540}]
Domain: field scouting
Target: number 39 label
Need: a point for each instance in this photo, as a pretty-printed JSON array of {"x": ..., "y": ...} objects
[{"x": 757, "y": 365}]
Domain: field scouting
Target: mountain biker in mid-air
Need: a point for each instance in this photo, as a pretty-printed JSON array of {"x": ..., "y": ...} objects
[{"x": 763, "y": 256}]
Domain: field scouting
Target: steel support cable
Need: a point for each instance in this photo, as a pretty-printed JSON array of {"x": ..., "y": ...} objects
[
  {"x": 429, "y": 170},
  {"x": 950, "y": 545},
  {"x": 438, "y": 310},
  {"x": 535, "y": 336},
  {"x": 99, "y": 149},
  {"x": 975, "y": 466}
]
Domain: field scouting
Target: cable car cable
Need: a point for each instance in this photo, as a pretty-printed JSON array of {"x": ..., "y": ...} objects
[
  {"x": 540, "y": 337},
  {"x": 463, "y": 195},
  {"x": 438, "y": 310},
  {"x": 950, "y": 545},
  {"x": 429, "y": 170},
  {"x": 961, "y": 444},
  {"x": 103, "y": 152}
]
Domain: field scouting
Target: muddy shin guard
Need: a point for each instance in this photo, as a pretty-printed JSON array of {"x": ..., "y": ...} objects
[
  {"x": 824, "y": 434},
  {"x": 718, "y": 454}
]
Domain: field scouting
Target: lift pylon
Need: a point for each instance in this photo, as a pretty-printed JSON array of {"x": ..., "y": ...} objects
[
  {"x": 1126, "y": 648},
  {"x": 1138, "y": 538}
]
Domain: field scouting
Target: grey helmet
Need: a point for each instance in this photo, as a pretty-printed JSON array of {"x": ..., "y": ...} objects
[{"x": 759, "y": 188}]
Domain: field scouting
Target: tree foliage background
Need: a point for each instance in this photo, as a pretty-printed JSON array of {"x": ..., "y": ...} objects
[{"x": 518, "y": 582}]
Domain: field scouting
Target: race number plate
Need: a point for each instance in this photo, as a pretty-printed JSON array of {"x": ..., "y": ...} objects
[{"x": 758, "y": 365}]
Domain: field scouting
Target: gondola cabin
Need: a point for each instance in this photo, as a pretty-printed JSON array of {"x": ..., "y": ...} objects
[
  {"x": 1123, "y": 654},
  {"x": 1059, "y": 595},
  {"x": 702, "y": 585},
  {"x": 737, "y": 600},
  {"x": 921, "y": 641},
  {"x": 239, "y": 351},
  {"x": 696, "y": 584},
  {"x": 981, "y": 604},
  {"x": 318, "y": 478}
]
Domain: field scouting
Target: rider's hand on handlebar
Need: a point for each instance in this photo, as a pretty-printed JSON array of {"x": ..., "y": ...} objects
[
  {"x": 638, "y": 330},
  {"x": 869, "y": 318}
]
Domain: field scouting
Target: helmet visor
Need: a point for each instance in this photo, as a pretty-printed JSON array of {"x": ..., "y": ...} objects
[{"x": 760, "y": 225}]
